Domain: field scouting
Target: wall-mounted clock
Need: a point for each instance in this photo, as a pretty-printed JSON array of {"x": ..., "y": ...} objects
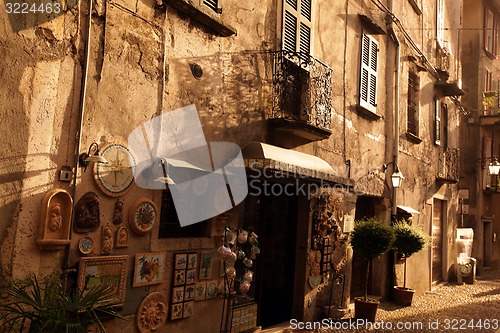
[{"x": 115, "y": 177}]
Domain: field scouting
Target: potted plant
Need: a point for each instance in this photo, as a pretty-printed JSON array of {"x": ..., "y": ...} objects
[
  {"x": 31, "y": 305},
  {"x": 408, "y": 239},
  {"x": 369, "y": 239}
]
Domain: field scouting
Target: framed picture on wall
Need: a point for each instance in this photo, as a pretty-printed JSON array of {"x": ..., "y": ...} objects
[
  {"x": 180, "y": 261},
  {"x": 176, "y": 311},
  {"x": 190, "y": 276},
  {"x": 199, "y": 291},
  {"x": 180, "y": 277},
  {"x": 206, "y": 265},
  {"x": 110, "y": 271},
  {"x": 211, "y": 289},
  {"x": 189, "y": 292},
  {"x": 192, "y": 260},
  {"x": 188, "y": 309},
  {"x": 177, "y": 294},
  {"x": 149, "y": 268}
]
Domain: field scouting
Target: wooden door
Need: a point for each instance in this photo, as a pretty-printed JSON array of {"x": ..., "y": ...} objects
[{"x": 437, "y": 241}]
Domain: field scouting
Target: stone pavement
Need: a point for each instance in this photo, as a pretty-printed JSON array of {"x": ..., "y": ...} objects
[{"x": 448, "y": 308}]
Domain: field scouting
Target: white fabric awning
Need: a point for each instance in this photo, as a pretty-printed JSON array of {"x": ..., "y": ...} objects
[
  {"x": 262, "y": 155},
  {"x": 408, "y": 210}
]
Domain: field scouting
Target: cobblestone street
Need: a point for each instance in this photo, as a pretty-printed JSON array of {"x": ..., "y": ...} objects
[{"x": 448, "y": 308}]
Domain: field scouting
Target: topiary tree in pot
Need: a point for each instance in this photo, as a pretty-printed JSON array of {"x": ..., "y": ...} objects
[
  {"x": 369, "y": 239},
  {"x": 408, "y": 239}
]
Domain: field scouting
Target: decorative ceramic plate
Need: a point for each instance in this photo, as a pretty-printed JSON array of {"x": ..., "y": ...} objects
[
  {"x": 142, "y": 216},
  {"x": 85, "y": 245}
]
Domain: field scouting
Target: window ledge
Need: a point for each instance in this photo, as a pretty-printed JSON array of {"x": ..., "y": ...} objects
[
  {"x": 413, "y": 138},
  {"x": 204, "y": 16},
  {"x": 367, "y": 114}
]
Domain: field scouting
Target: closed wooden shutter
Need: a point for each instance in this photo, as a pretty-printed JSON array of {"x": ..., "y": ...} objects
[
  {"x": 440, "y": 22},
  {"x": 297, "y": 17},
  {"x": 368, "y": 79},
  {"x": 437, "y": 123},
  {"x": 212, "y": 4}
]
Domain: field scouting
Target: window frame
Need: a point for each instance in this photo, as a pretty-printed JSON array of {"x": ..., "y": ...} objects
[
  {"x": 490, "y": 36},
  {"x": 170, "y": 228},
  {"x": 413, "y": 104}
]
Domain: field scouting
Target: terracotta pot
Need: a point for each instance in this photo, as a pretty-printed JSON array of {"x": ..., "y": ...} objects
[
  {"x": 403, "y": 296},
  {"x": 365, "y": 309}
]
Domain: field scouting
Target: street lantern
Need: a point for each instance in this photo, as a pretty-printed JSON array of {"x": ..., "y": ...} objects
[
  {"x": 494, "y": 167},
  {"x": 397, "y": 178}
]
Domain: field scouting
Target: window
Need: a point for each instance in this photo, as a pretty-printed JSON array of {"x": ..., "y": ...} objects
[
  {"x": 490, "y": 32},
  {"x": 440, "y": 22},
  {"x": 368, "y": 73},
  {"x": 441, "y": 124},
  {"x": 296, "y": 36},
  {"x": 169, "y": 222},
  {"x": 437, "y": 123},
  {"x": 413, "y": 102},
  {"x": 212, "y": 4}
]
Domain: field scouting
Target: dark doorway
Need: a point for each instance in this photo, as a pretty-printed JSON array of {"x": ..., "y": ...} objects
[
  {"x": 365, "y": 208},
  {"x": 275, "y": 266},
  {"x": 487, "y": 243},
  {"x": 437, "y": 241}
]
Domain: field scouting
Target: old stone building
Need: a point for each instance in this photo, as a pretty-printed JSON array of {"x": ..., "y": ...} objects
[
  {"x": 319, "y": 96},
  {"x": 479, "y": 132}
]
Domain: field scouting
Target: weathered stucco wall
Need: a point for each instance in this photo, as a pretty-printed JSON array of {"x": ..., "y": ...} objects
[{"x": 42, "y": 71}]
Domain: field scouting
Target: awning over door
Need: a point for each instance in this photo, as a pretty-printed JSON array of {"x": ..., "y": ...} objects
[
  {"x": 261, "y": 155},
  {"x": 408, "y": 210}
]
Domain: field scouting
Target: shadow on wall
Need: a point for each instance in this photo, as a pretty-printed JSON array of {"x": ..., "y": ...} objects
[
  {"x": 232, "y": 92},
  {"x": 36, "y": 121}
]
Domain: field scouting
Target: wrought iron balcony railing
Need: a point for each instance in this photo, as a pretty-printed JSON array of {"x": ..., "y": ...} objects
[
  {"x": 448, "y": 164},
  {"x": 302, "y": 89}
]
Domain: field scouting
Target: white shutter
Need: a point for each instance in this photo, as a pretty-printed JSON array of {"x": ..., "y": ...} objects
[
  {"x": 437, "y": 123},
  {"x": 212, "y": 4},
  {"x": 440, "y": 22},
  {"x": 368, "y": 73},
  {"x": 296, "y": 34}
]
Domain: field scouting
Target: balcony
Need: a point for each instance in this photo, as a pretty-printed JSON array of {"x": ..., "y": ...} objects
[
  {"x": 448, "y": 165},
  {"x": 301, "y": 97}
]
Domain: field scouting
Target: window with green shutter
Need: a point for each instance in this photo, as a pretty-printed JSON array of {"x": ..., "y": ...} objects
[{"x": 368, "y": 73}]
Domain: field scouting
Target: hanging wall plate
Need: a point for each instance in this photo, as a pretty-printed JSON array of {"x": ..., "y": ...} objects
[
  {"x": 142, "y": 216},
  {"x": 115, "y": 177},
  {"x": 86, "y": 244}
]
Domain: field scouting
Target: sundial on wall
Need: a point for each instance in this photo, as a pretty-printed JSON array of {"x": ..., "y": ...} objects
[{"x": 115, "y": 177}]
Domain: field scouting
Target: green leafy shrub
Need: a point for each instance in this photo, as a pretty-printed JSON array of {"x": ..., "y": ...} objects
[
  {"x": 408, "y": 239},
  {"x": 370, "y": 239}
]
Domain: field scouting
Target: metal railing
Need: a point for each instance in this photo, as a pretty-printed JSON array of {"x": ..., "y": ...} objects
[
  {"x": 302, "y": 89},
  {"x": 449, "y": 164}
]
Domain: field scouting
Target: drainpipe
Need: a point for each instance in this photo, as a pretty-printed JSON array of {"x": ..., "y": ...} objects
[
  {"x": 396, "y": 116},
  {"x": 83, "y": 93}
]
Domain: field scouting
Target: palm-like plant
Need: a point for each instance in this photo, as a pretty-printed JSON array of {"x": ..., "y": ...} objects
[
  {"x": 43, "y": 306},
  {"x": 408, "y": 239}
]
